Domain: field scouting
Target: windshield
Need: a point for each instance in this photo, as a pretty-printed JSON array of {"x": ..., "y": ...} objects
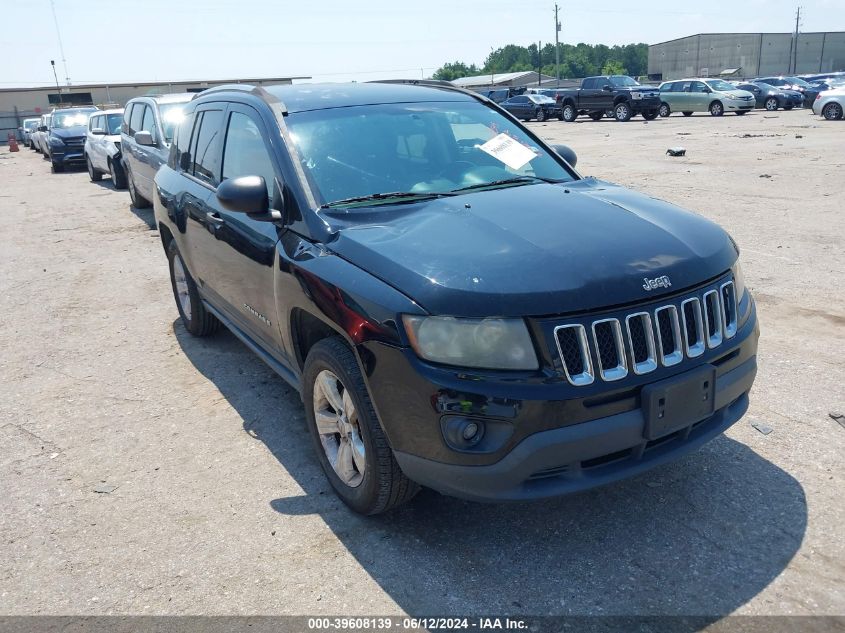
[
  {"x": 114, "y": 123},
  {"x": 171, "y": 114},
  {"x": 764, "y": 85},
  {"x": 30, "y": 124},
  {"x": 431, "y": 147},
  {"x": 71, "y": 119},
  {"x": 623, "y": 80},
  {"x": 722, "y": 86},
  {"x": 798, "y": 82}
]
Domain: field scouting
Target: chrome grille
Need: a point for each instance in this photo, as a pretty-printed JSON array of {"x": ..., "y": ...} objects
[{"x": 644, "y": 340}]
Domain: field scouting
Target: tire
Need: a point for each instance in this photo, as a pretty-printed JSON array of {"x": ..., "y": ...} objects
[
  {"x": 787, "y": 107},
  {"x": 331, "y": 373},
  {"x": 832, "y": 111},
  {"x": 687, "y": 113},
  {"x": 664, "y": 110},
  {"x": 138, "y": 201},
  {"x": 596, "y": 116},
  {"x": 56, "y": 168},
  {"x": 771, "y": 104},
  {"x": 741, "y": 112},
  {"x": 716, "y": 108},
  {"x": 622, "y": 112},
  {"x": 610, "y": 113},
  {"x": 650, "y": 115},
  {"x": 118, "y": 176},
  {"x": 93, "y": 174},
  {"x": 569, "y": 113},
  {"x": 540, "y": 115},
  {"x": 196, "y": 319}
]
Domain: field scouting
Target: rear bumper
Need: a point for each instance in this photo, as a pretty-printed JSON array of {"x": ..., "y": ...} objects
[{"x": 573, "y": 458}]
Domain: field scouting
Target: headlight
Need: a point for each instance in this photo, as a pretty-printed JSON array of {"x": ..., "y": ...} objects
[
  {"x": 636, "y": 95},
  {"x": 739, "y": 280},
  {"x": 55, "y": 140},
  {"x": 480, "y": 343}
]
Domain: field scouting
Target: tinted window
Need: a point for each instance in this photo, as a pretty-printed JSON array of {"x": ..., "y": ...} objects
[
  {"x": 245, "y": 153},
  {"x": 126, "y": 114},
  {"x": 588, "y": 84},
  {"x": 112, "y": 123},
  {"x": 137, "y": 116},
  {"x": 93, "y": 123},
  {"x": 682, "y": 86},
  {"x": 519, "y": 100},
  {"x": 697, "y": 86},
  {"x": 206, "y": 148}
]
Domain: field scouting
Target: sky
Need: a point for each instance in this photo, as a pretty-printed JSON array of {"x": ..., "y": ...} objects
[{"x": 332, "y": 40}]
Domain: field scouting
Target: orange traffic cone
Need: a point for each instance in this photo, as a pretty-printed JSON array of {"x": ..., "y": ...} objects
[{"x": 13, "y": 143}]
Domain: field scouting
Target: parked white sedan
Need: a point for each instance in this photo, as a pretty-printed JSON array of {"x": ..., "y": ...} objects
[
  {"x": 102, "y": 147},
  {"x": 830, "y": 104}
]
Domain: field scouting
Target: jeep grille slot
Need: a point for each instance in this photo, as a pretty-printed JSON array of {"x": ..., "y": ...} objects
[
  {"x": 572, "y": 346},
  {"x": 610, "y": 349},
  {"x": 713, "y": 314},
  {"x": 729, "y": 308},
  {"x": 668, "y": 335},
  {"x": 641, "y": 342},
  {"x": 693, "y": 327}
]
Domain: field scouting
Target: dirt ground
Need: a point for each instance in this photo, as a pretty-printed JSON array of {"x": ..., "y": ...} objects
[{"x": 213, "y": 503}]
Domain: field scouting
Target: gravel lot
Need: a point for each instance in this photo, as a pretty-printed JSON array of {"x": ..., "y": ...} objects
[{"x": 219, "y": 507}]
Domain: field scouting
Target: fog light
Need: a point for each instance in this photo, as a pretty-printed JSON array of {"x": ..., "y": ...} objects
[{"x": 470, "y": 431}]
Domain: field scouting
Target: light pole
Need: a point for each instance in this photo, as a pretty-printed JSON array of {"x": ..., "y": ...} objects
[{"x": 56, "y": 77}]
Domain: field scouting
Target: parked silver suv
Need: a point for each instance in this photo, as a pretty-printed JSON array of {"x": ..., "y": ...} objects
[
  {"x": 102, "y": 147},
  {"x": 148, "y": 127}
]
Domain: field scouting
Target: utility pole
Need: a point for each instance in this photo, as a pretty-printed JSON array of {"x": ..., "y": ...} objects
[
  {"x": 792, "y": 66},
  {"x": 56, "y": 77},
  {"x": 557, "y": 48},
  {"x": 59, "y": 37},
  {"x": 539, "y": 63}
]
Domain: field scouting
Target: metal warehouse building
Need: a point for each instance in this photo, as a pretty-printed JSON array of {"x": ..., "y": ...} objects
[
  {"x": 753, "y": 54},
  {"x": 17, "y": 104}
]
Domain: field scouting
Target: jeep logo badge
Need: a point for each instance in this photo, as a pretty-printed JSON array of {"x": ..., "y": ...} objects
[{"x": 657, "y": 282}]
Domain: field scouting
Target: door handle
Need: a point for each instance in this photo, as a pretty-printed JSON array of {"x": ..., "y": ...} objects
[{"x": 214, "y": 218}]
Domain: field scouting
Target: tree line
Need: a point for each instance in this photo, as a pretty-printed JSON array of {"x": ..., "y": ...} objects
[{"x": 579, "y": 60}]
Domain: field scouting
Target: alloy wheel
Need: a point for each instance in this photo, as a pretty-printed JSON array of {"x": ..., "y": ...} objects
[{"x": 338, "y": 427}]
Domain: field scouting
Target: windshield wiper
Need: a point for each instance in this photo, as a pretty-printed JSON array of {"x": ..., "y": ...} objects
[
  {"x": 509, "y": 181},
  {"x": 409, "y": 196}
]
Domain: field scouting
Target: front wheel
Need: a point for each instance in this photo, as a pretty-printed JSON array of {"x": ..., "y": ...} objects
[
  {"x": 346, "y": 433},
  {"x": 664, "y": 110},
  {"x": 717, "y": 109},
  {"x": 540, "y": 114},
  {"x": 596, "y": 116},
  {"x": 832, "y": 111},
  {"x": 196, "y": 319},
  {"x": 93, "y": 173},
  {"x": 622, "y": 112},
  {"x": 569, "y": 113},
  {"x": 771, "y": 104},
  {"x": 118, "y": 175}
]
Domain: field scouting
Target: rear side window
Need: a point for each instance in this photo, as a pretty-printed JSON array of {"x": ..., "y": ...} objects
[
  {"x": 588, "y": 84},
  {"x": 137, "y": 117},
  {"x": 92, "y": 123},
  {"x": 206, "y": 147},
  {"x": 245, "y": 153},
  {"x": 126, "y": 114}
]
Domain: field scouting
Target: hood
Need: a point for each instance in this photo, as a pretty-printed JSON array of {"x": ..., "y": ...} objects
[
  {"x": 69, "y": 132},
  {"x": 537, "y": 249}
]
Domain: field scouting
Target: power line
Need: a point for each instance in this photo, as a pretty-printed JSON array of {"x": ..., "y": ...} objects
[{"x": 59, "y": 37}]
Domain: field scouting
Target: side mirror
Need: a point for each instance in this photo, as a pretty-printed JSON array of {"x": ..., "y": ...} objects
[
  {"x": 244, "y": 194},
  {"x": 566, "y": 153},
  {"x": 607, "y": 88},
  {"x": 143, "y": 137},
  {"x": 98, "y": 131}
]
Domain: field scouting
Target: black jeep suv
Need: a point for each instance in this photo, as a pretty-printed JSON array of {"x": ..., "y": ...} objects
[{"x": 458, "y": 308}]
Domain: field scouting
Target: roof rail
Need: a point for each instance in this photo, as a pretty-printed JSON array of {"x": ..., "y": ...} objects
[
  {"x": 434, "y": 83},
  {"x": 241, "y": 87}
]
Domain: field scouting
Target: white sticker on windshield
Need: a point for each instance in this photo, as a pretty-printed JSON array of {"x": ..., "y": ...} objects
[{"x": 508, "y": 150}]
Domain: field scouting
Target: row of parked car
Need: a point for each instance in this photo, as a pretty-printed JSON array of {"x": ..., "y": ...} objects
[
  {"x": 622, "y": 97},
  {"x": 128, "y": 144}
]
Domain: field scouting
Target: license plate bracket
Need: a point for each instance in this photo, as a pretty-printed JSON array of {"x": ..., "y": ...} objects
[{"x": 679, "y": 401}]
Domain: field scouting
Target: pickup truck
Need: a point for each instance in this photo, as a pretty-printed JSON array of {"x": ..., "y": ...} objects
[{"x": 617, "y": 95}]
